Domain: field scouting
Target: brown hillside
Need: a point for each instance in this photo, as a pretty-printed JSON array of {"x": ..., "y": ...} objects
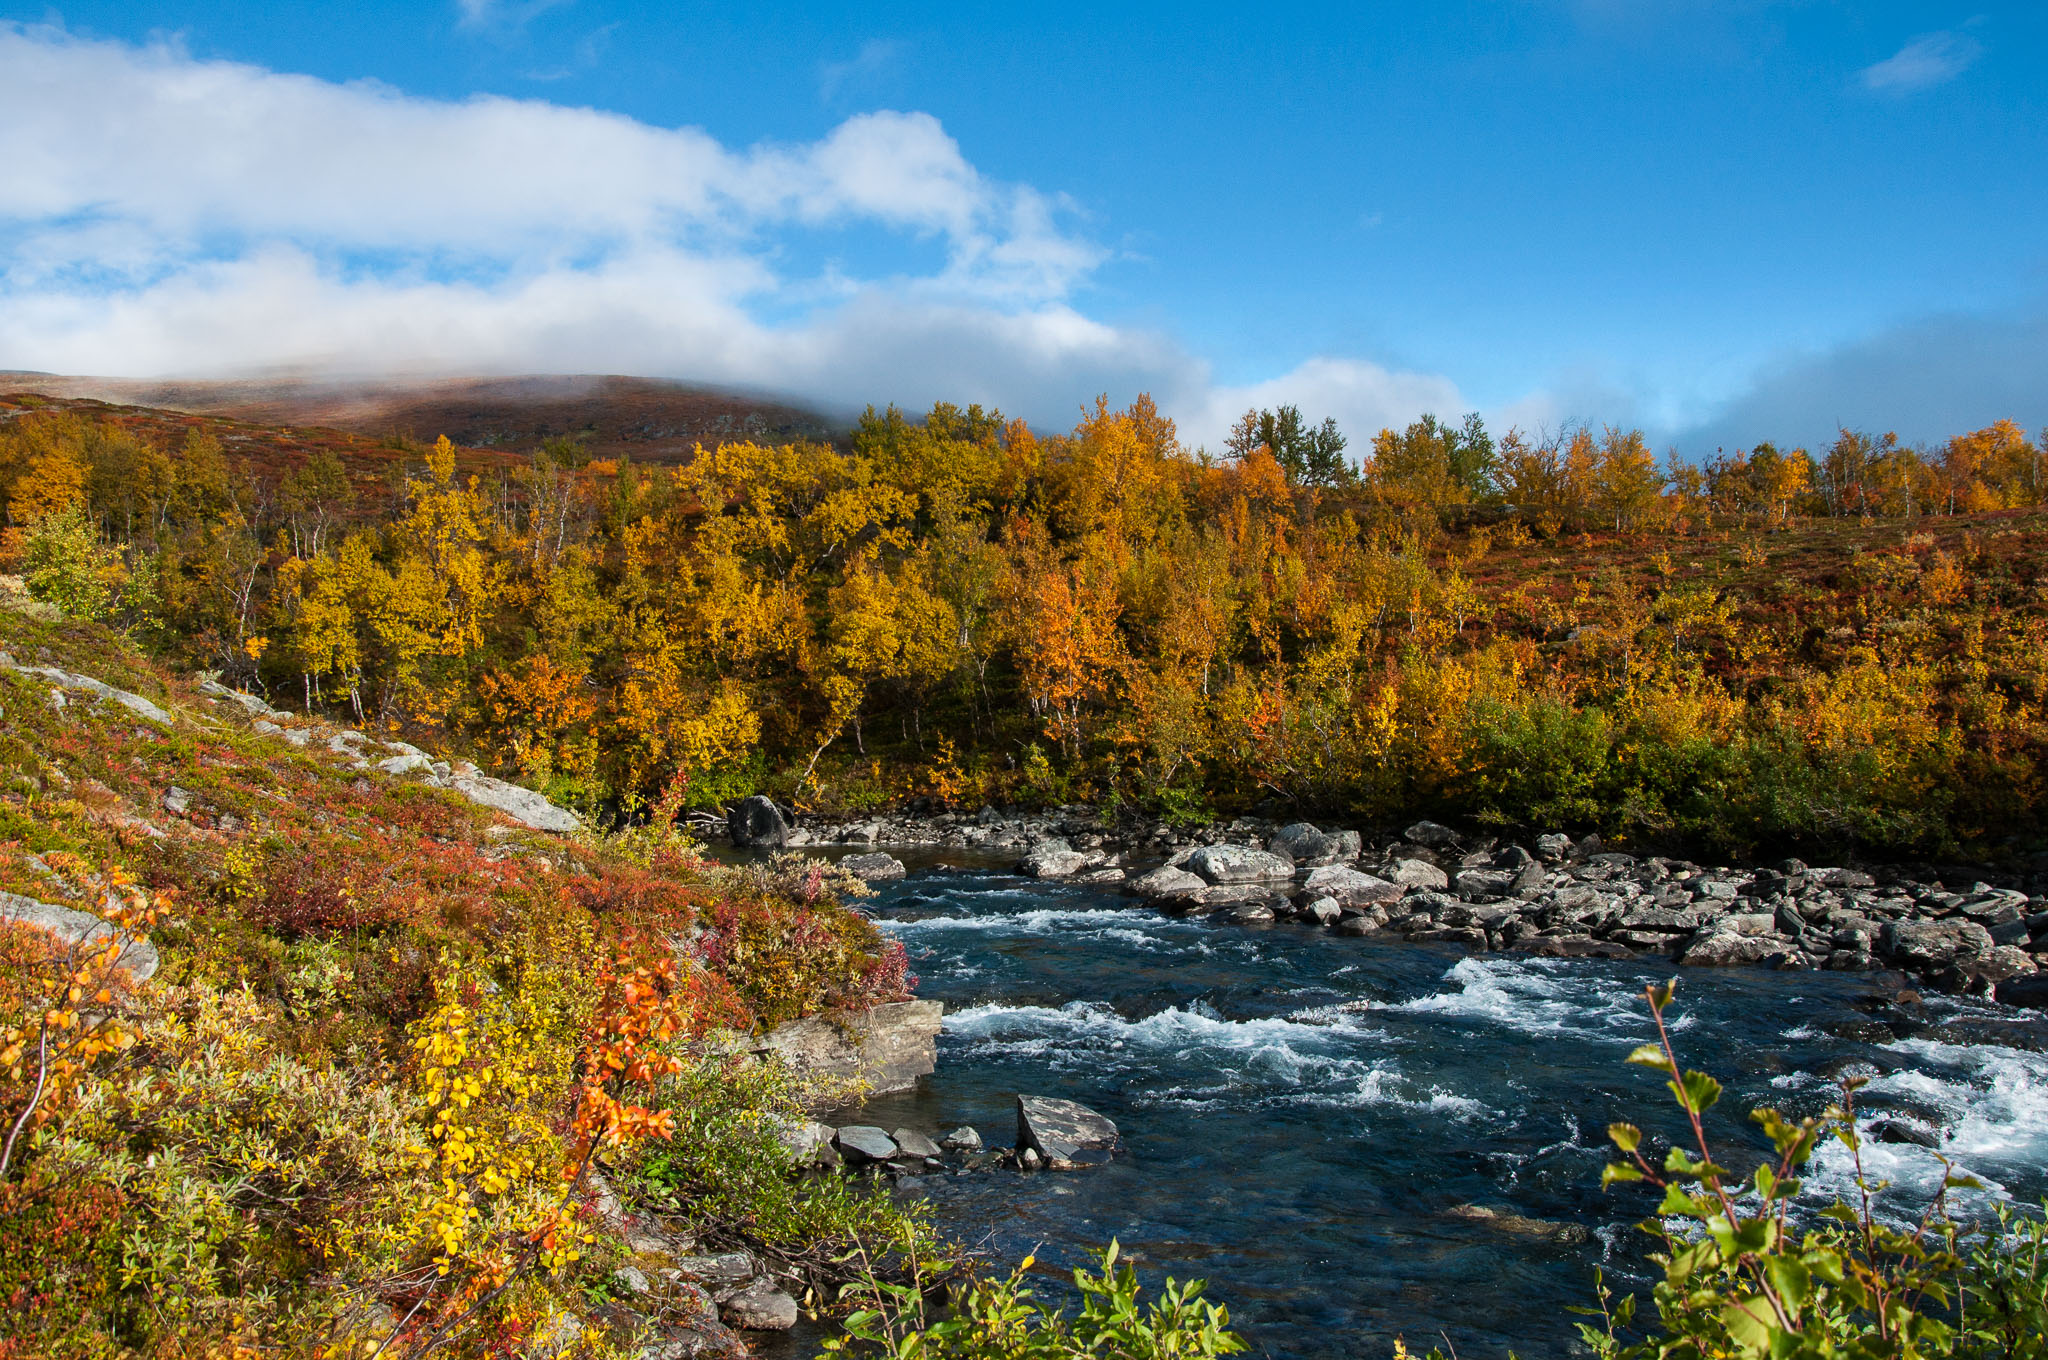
[{"x": 649, "y": 419}]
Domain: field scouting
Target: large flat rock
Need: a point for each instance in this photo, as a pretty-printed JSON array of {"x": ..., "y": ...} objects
[
  {"x": 1059, "y": 1130},
  {"x": 888, "y": 1047}
]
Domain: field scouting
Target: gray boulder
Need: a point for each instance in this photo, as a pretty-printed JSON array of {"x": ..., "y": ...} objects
[
  {"x": 1222, "y": 864},
  {"x": 875, "y": 867},
  {"x": 1350, "y": 888},
  {"x": 963, "y": 1139},
  {"x": 1553, "y": 847},
  {"x": 1167, "y": 881},
  {"x": 864, "y": 1143},
  {"x": 1933, "y": 944},
  {"x": 521, "y": 805},
  {"x": 757, "y": 824},
  {"x": 1052, "y": 858},
  {"x": 1304, "y": 844},
  {"x": 1435, "y": 835},
  {"x": 760, "y": 1307},
  {"x": 1415, "y": 873}
]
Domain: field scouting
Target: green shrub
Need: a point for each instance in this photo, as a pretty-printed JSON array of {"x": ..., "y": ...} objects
[
  {"x": 1742, "y": 1276},
  {"x": 1003, "y": 1319}
]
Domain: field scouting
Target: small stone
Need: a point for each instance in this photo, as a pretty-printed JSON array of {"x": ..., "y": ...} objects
[{"x": 962, "y": 1139}]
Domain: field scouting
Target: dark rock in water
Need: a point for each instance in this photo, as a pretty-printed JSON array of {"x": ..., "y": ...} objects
[
  {"x": 757, "y": 824},
  {"x": 2031, "y": 990},
  {"x": 865, "y": 1143},
  {"x": 1250, "y": 914},
  {"x": 1432, "y": 834},
  {"x": 876, "y": 867},
  {"x": 1059, "y": 1131},
  {"x": 1899, "y": 1131}
]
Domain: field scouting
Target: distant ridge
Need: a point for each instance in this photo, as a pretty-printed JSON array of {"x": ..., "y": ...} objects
[{"x": 650, "y": 419}]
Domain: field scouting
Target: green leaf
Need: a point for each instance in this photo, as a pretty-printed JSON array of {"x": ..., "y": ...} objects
[
  {"x": 1748, "y": 1324},
  {"x": 1618, "y": 1171},
  {"x": 1789, "y": 1278},
  {"x": 1651, "y": 1056},
  {"x": 1701, "y": 1092},
  {"x": 1627, "y": 1137}
]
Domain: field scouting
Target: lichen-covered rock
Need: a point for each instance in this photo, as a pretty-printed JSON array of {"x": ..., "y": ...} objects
[
  {"x": 1224, "y": 864},
  {"x": 1167, "y": 881},
  {"x": 889, "y": 1046},
  {"x": 520, "y": 804}
]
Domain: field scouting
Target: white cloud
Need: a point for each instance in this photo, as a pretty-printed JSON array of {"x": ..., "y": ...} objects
[
  {"x": 1929, "y": 60},
  {"x": 169, "y": 216}
]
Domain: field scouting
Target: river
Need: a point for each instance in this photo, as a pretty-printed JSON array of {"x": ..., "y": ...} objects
[{"x": 1310, "y": 1118}]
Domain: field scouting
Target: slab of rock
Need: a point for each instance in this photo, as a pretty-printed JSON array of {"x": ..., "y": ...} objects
[
  {"x": 1057, "y": 1130},
  {"x": 1348, "y": 887},
  {"x": 1570, "y": 947},
  {"x": 888, "y": 1047},
  {"x": 75, "y": 928},
  {"x": 875, "y": 867},
  {"x": 521, "y": 805},
  {"x": 1225, "y": 864},
  {"x": 2030, "y": 990},
  {"x": 864, "y": 1143},
  {"x": 757, "y": 824},
  {"x": 760, "y": 1308},
  {"x": 134, "y": 703},
  {"x": 911, "y": 1143}
]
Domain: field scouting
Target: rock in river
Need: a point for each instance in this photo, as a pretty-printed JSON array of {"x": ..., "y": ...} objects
[
  {"x": 865, "y": 1143},
  {"x": 1059, "y": 1130},
  {"x": 1222, "y": 864},
  {"x": 874, "y": 867}
]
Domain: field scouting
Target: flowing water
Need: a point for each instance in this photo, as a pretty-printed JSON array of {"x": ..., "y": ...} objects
[{"x": 1310, "y": 1118}]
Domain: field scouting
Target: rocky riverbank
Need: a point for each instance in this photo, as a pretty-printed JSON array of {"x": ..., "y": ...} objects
[{"x": 1964, "y": 930}]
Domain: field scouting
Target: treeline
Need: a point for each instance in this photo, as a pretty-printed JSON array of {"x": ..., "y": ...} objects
[{"x": 1516, "y": 629}]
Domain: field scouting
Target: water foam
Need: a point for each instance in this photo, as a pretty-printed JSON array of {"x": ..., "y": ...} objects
[{"x": 1541, "y": 997}]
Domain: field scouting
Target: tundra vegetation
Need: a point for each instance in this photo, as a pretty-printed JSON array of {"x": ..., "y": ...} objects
[
  {"x": 360, "y": 1105},
  {"x": 1771, "y": 650}
]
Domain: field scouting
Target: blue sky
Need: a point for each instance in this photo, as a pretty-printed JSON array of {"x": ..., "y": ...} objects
[{"x": 1725, "y": 221}]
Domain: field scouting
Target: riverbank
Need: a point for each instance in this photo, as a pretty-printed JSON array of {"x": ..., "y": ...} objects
[{"x": 1968, "y": 930}]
